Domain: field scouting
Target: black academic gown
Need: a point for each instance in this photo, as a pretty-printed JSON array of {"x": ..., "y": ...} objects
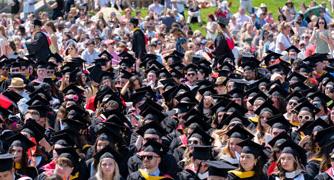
[
  {"x": 39, "y": 47},
  {"x": 138, "y": 176},
  {"x": 187, "y": 175},
  {"x": 138, "y": 43},
  {"x": 222, "y": 49},
  {"x": 323, "y": 176}
]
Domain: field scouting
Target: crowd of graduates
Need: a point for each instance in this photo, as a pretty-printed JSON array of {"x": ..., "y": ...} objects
[{"x": 131, "y": 98}]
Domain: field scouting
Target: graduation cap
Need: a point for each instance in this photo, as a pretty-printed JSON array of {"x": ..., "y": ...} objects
[
  {"x": 201, "y": 152},
  {"x": 73, "y": 125},
  {"x": 12, "y": 95},
  {"x": 314, "y": 58},
  {"x": 259, "y": 96},
  {"x": 153, "y": 114},
  {"x": 234, "y": 107},
  {"x": 125, "y": 74},
  {"x": 319, "y": 96},
  {"x": 307, "y": 106},
  {"x": 20, "y": 140},
  {"x": 163, "y": 73},
  {"x": 309, "y": 127},
  {"x": 169, "y": 94},
  {"x": 235, "y": 117},
  {"x": 219, "y": 168},
  {"x": 176, "y": 74},
  {"x": 250, "y": 147},
  {"x": 278, "y": 121},
  {"x": 69, "y": 153},
  {"x": 40, "y": 106},
  {"x": 294, "y": 149},
  {"x": 150, "y": 103},
  {"x": 106, "y": 54},
  {"x": 236, "y": 93},
  {"x": 249, "y": 63},
  {"x": 294, "y": 95},
  {"x": 279, "y": 140},
  {"x": 271, "y": 56},
  {"x": 36, "y": 128},
  {"x": 106, "y": 152},
  {"x": 194, "y": 116},
  {"x": 266, "y": 107},
  {"x": 57, "y": 57},
  {"x": 239, "y": 132},
  {"x": 220, "y": 106},
  {"x": 151, "y": 128},
  {"x": 202, "y": 135},
  {"x": 204, "y": 69},
  {"x": 152, "y": 146},
  {"x": 191, "y": 68},
  {"x": 292, "y": 49},
  {"x": 295, "y": 77},
  {"x": 325, "y": 137},
  {"x": 127, "y": 59},
  {"x": 6, "y": 162},
  {"x": 73, "y": 89},
  {"x": 298, "y": 86},
  {"x": 109, "y": 131},
  {"x": 63, "y": 138},
  {"x": 278, "y": 91},
  {"x": 100, "y": 61},
  {"x": 280, "y": 67}
]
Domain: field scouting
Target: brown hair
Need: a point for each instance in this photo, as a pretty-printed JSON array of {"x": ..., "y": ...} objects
[
  {"x": 51, "y": 25},
  {"x": 64, "y": 161}
]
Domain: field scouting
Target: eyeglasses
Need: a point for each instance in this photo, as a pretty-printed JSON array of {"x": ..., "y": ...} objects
[
  {"x": 306, "y": 117},
  {"x": 193, "y": 142},
  {"x": 148, "y": 157},
  {"x": 190, "y": 74}
]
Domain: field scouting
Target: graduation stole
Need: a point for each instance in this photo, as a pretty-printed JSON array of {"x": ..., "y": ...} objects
[
  {"x": 75, "y": 176},
  {"x": 242, "y": 175},
  {"x": 2, "y": 78},
  {"x": 148, "y": 177},
  {"x": 135, "y": 29},
  {"x": 254, "y": 119},
  {"x": 18, "y": 166}
]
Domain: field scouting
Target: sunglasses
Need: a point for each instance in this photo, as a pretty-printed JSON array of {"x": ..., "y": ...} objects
[
  {"x": 305, "y": 117},
  {"x": 148, "y": 157}
]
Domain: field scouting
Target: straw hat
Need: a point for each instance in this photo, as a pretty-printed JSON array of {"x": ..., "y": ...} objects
[{"x": 17, "y": 83}]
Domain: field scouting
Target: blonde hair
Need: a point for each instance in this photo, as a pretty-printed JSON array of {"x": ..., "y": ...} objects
[
  {"x": 3, "y": 31},
  {"x": 99, "y": 173},
  {"x": 283, "y": 26}
]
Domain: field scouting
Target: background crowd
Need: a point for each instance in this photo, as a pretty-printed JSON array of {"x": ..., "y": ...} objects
[{"x": 92, "y": 89}]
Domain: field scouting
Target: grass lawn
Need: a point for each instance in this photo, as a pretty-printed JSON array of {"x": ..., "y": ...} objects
[{"x": 272, "y": 5}]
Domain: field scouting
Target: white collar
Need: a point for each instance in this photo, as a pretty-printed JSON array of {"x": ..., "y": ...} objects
[
  {"x": 293, "y": 174},
  {"x": 203, "y": 175}
]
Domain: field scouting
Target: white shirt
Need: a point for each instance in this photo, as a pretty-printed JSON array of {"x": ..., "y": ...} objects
[
  {"x": 242, "y": 19},
  {"x": 178, "y": 5},
  {"x": 156, "y": 8},
  {"x": 102, "y": 3},
  {"x": 281, "y": 38},
  {"x": 89, "y": 57}
]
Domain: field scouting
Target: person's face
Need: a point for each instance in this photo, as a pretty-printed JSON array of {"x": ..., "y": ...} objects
[
  {"x": 264, "y": 118},
  {"x": 101, "y": 144},
  {"x": 17, "y": 152},
  {"x": 106, "y": 82},
  {"x": 332, "y": 115},
  {"x": 15, "y": 70},
  {"x": 230, "y": 86},
  {"x": 221, "y": 89},
  {"x": 107, "y": 166},
  {"x": 292, "y": 55},
  {"x": 287, "y": 161},
  {"x": 242, "y": 11},
  {"x": 276, "y": 131},
  {"x": 320, "y": 66},
  {"x": 41, "y": 121},
  {"x": 321, "y": 23},
  {"x": 291, "y": 104},
  {"x": 151, "y": 77},
  {"x": 153, "y": 137},
  {"x": 329, "y": 90},
  {"x": 207, "y": 101},
  {"x": 257, "y": 103},
  {"x": 191, "y": 76},
  {"x": 233, "y": 144},
  {"x": 50, "y": 73},
  {"x": 304, "y": 116},
  {"x": 150, "y": 160},
  {"x": 247, "y": 161},
  {"x": 63, "y": 170},
  {"x": 7, "y": 175},
  {"x": 90, "y": 47},
  {"x": 41, "y": 73},
  {"x": 249, "y": 74},
  {"x": 200, "y": 75},
  {"x": 194, "y": 141}
]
